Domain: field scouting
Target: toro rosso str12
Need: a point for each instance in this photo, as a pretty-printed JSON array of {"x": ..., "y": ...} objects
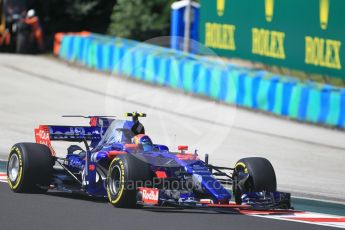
[{"x": 119, "y": 161}]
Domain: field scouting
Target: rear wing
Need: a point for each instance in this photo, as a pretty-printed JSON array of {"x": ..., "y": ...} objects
[{"x": 44, "y": 134}]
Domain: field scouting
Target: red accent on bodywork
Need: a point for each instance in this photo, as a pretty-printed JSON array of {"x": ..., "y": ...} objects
[
  {"x": 187, "y": 156},
  {"x": 206, "y": 201},
  {"x": 114, "y": 153},
  {"x": 149, "y": 195},
  {"x": 161, "y": 174},
  {"x": 92, "y": 167},
  {"x": 93, "y": 121},
  {"x": 182, "y": 147},
  {"x": 131, "y": 146},
  {"x": 42, "y": 136}
]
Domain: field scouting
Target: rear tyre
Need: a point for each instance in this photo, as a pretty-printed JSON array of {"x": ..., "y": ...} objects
[
  {"x": 253, "y": 174},
  {"x": 29, "y": 168},
  {"x": 125, "y": 174}
]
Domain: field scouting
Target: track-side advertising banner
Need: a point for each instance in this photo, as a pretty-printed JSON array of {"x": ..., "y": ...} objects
[{"x": 307, "y": 35}]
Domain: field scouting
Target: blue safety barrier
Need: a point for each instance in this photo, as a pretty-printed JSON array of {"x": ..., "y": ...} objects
[{"x": 200, "y": 75}]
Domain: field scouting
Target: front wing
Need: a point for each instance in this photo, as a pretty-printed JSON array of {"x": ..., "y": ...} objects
[{"x": 252, "y": 201}]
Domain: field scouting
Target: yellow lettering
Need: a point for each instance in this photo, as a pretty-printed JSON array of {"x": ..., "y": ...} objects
[
  {"x": 208, "y": 34},
  {"x": 220, "y": 36},
  {"x": 336, "y": 48},
  {"x": 274, "y": 45},
  {"x": 309, "y": 50},
  {"x": 322, "y": 52},
  {"x": 265, "y": 37},
  {"x": 281, "y": 37},
  {"x": 268, "y": 43}
]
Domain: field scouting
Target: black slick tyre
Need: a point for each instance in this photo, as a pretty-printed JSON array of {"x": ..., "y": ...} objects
[
  {"x": 253, "y": 174},
  {"x": 29, "y": 168},
  {"x": 126, "y": 173}
]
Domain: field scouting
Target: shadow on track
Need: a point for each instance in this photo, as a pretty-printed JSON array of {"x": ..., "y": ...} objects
[
  {"x": 188, "y": 210},
  {"x": 76, "y": 196},
  {"x": 175, "y": 210}
]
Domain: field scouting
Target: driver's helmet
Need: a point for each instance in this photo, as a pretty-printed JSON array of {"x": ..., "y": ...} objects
[
  {"x": 31, "y": 13},
  {"x": 143, "y": 141}
]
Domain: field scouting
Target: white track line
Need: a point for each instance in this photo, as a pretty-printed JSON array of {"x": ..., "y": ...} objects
[{"x": 289, "y": 218}]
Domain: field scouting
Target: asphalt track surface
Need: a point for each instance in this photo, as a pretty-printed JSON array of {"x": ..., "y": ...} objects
[
  {"x": 63, "y": 211},
  {"x": 309, "y": 160}
]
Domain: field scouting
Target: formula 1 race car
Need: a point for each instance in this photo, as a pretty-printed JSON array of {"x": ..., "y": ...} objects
[{"x": 120, "y": 162}]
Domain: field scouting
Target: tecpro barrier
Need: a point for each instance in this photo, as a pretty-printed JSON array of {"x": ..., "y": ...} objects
[{"x": 199, "y": 75}]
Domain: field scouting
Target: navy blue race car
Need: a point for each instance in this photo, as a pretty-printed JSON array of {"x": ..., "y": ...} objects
[{"x": 119, "y": 161}]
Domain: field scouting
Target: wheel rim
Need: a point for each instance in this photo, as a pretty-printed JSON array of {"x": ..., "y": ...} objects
[
  {"x": 240, "y": 175},
  {"x": 115, "y": 180},
  {"x": 13, "y": 167}
]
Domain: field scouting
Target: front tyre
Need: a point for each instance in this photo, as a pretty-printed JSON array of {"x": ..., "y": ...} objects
[
  {"x": 29, "y": 168},
  {"x": 253, "y": 174},
  {"x": 125, "y": 174}
]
